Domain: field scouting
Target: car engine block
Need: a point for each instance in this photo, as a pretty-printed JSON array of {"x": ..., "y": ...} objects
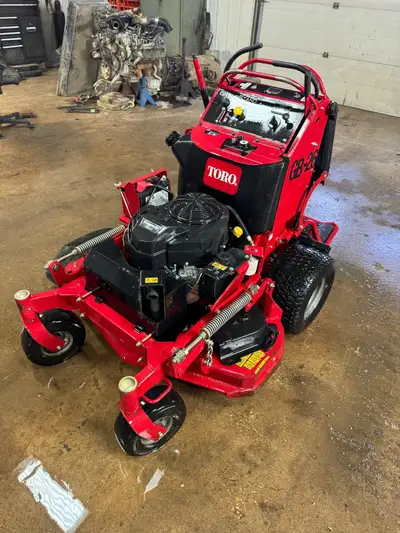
[{"x": 128, "y": 46}]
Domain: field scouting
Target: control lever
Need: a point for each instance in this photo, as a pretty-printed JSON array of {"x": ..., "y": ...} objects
[
  {"x": 286, "y": 118},
  {"x": 274, "y": 123}
]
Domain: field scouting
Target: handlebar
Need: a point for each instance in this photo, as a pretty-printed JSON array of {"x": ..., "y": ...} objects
[
  {"x": 308, "y": 75},
  {"x": 245, "y": 50},
  {"x": 201, "y": 81},
  {"x": 264, "y": 76}
]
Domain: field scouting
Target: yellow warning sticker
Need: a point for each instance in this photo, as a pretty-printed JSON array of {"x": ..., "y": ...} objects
[
  {"x": 262, "y": 364},
  {"x": 252, "y": 360},
  {"x": 151, "y": 280},
  {"x": 219, "y": 266}
]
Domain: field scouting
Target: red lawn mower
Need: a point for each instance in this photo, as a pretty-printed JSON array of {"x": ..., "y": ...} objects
[{"x": 202, "y": 286}]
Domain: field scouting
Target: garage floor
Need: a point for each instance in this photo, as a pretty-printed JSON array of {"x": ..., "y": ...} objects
[{"x": 315, "y": 450}]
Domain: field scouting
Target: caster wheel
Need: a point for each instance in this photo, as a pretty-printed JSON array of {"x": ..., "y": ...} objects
[
  {"x": 63, "y": 324},
  {"x": 67, "y": 248},
  {"x": 169, "y": 412}
]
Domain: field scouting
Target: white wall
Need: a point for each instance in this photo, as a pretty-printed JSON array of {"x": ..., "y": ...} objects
[
  {"x": 362, "y": 39},
  {"x": 231, "y": 23}
]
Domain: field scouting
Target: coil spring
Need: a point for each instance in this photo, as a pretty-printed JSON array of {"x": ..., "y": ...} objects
[
  {"x": 224, "y": 316},
  {"x": 216, "y": 323},
  {"x": 84, "y": 247}
]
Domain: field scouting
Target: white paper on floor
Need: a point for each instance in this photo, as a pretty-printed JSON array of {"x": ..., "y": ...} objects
[
  {"x": 155, "y": 480},
  {"x": 68, "y": 512}
]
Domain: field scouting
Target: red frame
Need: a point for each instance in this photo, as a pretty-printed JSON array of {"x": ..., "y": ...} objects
[
  {"x": 155, "y": 358},
  {"x": 123, "y": 5}
]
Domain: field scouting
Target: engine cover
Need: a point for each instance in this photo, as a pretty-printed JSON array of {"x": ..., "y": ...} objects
[{"x": 191, "y": 229}]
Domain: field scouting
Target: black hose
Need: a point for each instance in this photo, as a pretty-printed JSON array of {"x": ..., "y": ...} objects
[
  {"x": 165, "y": 24},
  {"x": 240, "y": 222},
  {"x": 161, "y": 188},
  {"x": 160, "y": 22},
  {"x": 58, "y": 23}
]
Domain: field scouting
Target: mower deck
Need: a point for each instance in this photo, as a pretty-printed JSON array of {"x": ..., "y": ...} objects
[{"x": 138, "y": 349}]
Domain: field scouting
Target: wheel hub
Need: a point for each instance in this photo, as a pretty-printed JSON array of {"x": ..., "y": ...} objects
[
  {"x": 315, "y": 299},
  {"x": 66, "y": 337},
  {"x": 167, "y": 422}
]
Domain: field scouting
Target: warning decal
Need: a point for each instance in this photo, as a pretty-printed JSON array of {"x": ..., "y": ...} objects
[{"x": 252, "y": 360}]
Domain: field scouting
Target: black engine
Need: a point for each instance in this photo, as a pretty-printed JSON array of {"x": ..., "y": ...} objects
[
  {"x": 174, "y": 255},
  {"x": 190, "y": 230}
]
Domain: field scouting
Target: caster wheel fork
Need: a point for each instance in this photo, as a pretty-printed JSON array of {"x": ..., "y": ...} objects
[{"x": 169, "y": 412}]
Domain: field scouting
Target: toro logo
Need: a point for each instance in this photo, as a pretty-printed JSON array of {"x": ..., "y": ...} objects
[{"x": 222, "y": 176}]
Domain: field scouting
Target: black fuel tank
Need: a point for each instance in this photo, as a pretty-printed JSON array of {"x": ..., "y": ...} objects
[{"x": 259, "y": 191}]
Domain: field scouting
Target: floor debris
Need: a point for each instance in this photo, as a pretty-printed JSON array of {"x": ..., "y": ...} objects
[
  {"x": 68, "y": 512},
  {"x": 155, "y": 480},
  {"x": 122, "y": 471}
]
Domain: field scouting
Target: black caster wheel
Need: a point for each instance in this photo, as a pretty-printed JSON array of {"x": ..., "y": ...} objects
[
  {"x": 169, "y": 412},
  {"x": 63, "y": 324},
  {"x": 67, "y": 248}
]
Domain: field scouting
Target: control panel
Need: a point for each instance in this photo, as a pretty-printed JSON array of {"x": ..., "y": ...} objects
[{"x": 263, "y": 115}]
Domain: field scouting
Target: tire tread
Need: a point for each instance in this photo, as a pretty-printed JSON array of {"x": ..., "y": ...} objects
[{"x": 294, "y": 274}]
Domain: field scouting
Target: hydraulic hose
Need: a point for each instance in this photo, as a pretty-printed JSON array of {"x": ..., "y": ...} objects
[{"x": 241, "y": 224}]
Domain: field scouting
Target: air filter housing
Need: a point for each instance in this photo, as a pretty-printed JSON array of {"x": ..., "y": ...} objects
[{"x": 191, "y": 229}]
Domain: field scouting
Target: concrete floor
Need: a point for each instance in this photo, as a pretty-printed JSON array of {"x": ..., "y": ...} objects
[{"x": 315, "y": 450}]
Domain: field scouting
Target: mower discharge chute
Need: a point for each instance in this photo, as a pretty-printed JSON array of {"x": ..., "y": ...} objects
[{"x": 202, "y": 286}]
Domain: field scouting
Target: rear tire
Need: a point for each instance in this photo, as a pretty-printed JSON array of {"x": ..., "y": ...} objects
[
  {"x": 303, "y": 280},
  {"x": 63, "y": 324},
  {"x": 169, "y": 412},
  {"x": 67, "y": 248}
]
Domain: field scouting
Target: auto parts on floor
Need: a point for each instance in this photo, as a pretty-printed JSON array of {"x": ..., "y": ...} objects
[
  {"x": 79, "y": 109},
  {"x": 10, "y": 76}
]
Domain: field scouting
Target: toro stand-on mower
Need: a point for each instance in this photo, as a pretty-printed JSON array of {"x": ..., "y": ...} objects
[{"x": 202, "y": 286}]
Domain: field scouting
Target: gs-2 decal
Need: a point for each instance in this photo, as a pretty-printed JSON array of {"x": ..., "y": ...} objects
[{"x": 299, "y": 166}]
